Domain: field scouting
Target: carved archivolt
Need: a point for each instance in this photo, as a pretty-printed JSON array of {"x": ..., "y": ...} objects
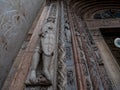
[
  {"x": 88, "y": 63},
  {"x": 62, "y": 73}
]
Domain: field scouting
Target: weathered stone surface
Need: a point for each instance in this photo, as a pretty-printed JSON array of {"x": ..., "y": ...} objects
[
  {"x": 16, "y": 16},
  {"x": 48, "y": 37},
  {"x": 73, "y": 54},
  {"x": 103, "y": 23}
]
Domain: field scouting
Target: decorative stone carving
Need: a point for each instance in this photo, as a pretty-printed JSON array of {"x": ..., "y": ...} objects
[
  {"x": 70, "y": 66},
  {"x": 103, "y": 23},
  {"x": 96, "y": 34},
  {"x": 62, "y": 73},
  {"x": 34, "y": 80},
  {"x": 45, "y": 51},
  {"x": 94, "y": 76},
  {"x": 107, "y": 14}
]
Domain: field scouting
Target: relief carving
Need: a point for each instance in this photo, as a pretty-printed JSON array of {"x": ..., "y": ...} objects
[
  {"x": 102, "y": 23},
  {"x": 66, "y": 78},
  {"x": 46, "y": 49},
  {"x": 62, "y": 71},
  {"x": 44, "y": 52},
  {"x": 62, "y": 75},
  {"x": 70, "y": 78}
]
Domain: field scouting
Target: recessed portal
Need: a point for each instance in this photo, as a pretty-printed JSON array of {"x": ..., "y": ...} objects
[{"x": 110, "y": 34}]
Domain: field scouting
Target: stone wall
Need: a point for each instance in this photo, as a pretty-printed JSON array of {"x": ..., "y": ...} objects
[{"x": 16, "y": 17}]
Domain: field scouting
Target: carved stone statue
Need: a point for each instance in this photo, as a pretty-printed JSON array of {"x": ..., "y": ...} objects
[{"x": 46, "y": 49}]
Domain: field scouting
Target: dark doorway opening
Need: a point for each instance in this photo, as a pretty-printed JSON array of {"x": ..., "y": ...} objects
[{"x": 109, "y": 35}]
